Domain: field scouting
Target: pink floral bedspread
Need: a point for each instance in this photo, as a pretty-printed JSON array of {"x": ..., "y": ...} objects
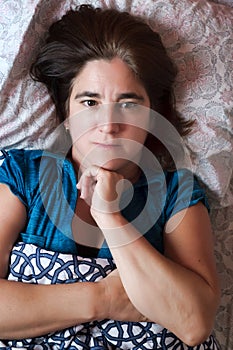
[{"x": 199, "y": 37}]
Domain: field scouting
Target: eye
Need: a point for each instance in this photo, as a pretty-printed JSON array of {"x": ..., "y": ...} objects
[
  {"x": 128, "y": 105},
  {"x": 89, "y": 103}
]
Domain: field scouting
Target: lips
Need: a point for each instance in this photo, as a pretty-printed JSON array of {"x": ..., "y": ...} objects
[{"x": 107, "y": 144}]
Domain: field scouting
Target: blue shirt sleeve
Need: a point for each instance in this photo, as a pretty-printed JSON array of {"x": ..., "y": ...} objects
[
  {"x": 183, "y": 191},
  {"x": 12, "y": 172}
]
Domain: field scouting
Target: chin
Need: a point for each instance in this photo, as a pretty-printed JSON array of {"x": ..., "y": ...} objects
[{"x": 112, "y": 165}]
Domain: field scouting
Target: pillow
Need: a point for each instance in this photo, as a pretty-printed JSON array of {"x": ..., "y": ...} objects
[
  {"x": 198, "y": 36},
  {"x": 31, "y": 264}
]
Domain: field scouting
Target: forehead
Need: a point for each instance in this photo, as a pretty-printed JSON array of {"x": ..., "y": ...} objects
[{"x": 102, "y": 74}]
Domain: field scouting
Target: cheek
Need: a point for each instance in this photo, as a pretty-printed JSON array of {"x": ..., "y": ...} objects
[
  {"x": 139, "y": 118},
  {"x": 79, "y": 133},
  {"x": 80, "y": 124},
  {"x": 82, "y": 142},
  {"x": 138, "y": 134}
]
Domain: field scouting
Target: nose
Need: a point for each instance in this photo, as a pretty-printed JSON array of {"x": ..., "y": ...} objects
[{"x": 109, "y": 121}]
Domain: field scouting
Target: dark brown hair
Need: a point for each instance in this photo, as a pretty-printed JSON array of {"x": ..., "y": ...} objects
[{"x": 87, "y": 34}]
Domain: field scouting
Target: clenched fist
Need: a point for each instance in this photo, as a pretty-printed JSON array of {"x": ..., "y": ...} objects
[{"x": 101, "y": 189}]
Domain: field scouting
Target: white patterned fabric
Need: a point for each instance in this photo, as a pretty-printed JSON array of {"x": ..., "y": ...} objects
[
  {"x": 31, "y": 264},
  {"x": 198, "y": 36}
]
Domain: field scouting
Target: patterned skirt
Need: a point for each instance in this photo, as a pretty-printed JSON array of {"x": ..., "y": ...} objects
[{"x": 32, "y": 264}]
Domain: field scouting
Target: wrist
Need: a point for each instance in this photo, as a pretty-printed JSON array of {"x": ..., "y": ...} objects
[
  {"x": 103, "y": 305},
  {"x": 92, "y": 303},
  {"x": 117, "y": 230},
  {"x": 108, "y": 221}
]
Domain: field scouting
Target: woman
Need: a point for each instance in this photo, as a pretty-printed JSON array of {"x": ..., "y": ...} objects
[{"x": 106, "y": 71}]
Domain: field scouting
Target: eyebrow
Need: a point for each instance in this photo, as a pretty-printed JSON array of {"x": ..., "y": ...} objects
[
  {"x": 87, "y": 94},
  {"x": 122, "y": 96},
  {"x": 130, "y": 95}
]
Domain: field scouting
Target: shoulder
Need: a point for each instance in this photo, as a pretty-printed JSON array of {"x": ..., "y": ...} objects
[
  {"x": 182, "y": 180},
  {"x": 183, "y": 190},
  {"x": 3, "y": 156},
  {"x": 12, "y": 161},
  {"x": 174, "y": 175},
  {"x": 25, "y": 156},
  {"x": 18, "y": 155},
  {"x": 22, "y": 161}
]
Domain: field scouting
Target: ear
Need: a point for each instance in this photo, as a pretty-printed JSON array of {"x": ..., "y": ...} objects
[{"x": 66, "y": 124}]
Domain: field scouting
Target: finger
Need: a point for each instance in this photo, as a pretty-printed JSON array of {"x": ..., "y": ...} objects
[
  {"x": 84, "y": 193},
  {"x": 87, "y": 182},
  {"x": 86, "y": 188},
  {"x": 89, "y": 172},
  {"x": 92, "y": 171}
]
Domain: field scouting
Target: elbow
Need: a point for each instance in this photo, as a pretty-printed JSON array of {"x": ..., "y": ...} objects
[
  {"x": 201, "y": 323},
  {"x": 196, "y": 337},
  {"x": 198, "y": 329}
]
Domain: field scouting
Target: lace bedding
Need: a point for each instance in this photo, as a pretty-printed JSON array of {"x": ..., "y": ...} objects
[{"x": 198, "y": 36}]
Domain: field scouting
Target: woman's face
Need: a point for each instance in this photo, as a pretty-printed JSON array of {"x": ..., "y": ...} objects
[{"x": 108, "y": 116}]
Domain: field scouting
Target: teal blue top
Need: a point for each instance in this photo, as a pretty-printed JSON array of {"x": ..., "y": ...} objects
[{"x": 46, "y": 184}]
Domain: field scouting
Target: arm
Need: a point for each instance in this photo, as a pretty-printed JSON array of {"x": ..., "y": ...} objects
[
  {"x": 42, "y": 309},
  {"x": 180, "y": 290},
  {"x": 48, "y": 308}
]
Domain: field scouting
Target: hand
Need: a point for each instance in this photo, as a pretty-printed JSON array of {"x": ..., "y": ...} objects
[
  {"x": 117, "y": 303},
  {"x": 101, "y": 189}
]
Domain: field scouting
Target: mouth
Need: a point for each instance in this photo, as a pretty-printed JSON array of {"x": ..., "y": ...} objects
[{"x": 107, "y": 145}]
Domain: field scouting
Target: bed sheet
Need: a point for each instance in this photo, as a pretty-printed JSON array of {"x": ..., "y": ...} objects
[{"x": 198, "y": 36}]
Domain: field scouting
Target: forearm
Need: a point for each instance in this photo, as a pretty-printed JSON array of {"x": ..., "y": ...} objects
[
  {"x": 162, "y": 290},
  {"x": 166, "y": 292},
  {"x": 29, "y": 310}
]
